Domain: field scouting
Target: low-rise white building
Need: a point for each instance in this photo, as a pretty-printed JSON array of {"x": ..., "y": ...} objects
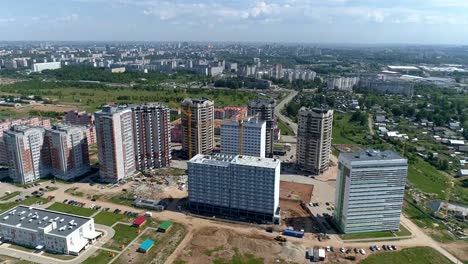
[
  {"x": 39, "y": 67},
  {"x": 47, "y": 230},
  {"x": 253, "y": 132},
  {"x": 240, "y": 187}
]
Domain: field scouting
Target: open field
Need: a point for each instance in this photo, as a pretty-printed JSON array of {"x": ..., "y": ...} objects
[
  {"x": 417, "y": 255},
  {"x": 296, "y": 191},
  {"x": 427, "y": 178},
  {"x": 71, "y": 209},
  {"x": 108, "y": 218},
  {"x": 99, "y": 257},
  {"x": 124, "y": 234},
  {"x": 285, "y": 129},
  {"x": 164, "y": 245},
  {"x": 216, "y": 245}
]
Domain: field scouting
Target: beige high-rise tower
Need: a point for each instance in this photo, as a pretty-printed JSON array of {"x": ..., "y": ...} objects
[
  {"x": 197, "y": 126},
  {"x": 314, "y": 136}
]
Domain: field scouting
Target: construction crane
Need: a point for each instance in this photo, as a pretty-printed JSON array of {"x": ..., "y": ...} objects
[{"x": 188, "y": 114}]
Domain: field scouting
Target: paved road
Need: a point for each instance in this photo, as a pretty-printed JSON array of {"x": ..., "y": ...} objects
[{"x": 280, "y": 107}]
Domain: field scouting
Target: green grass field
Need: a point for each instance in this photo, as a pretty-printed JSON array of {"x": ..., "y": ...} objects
[
  {"x": 28, "y": 201},
  {"x": 427, "y": 178},
  {"x": 403, "y": 232},
  {"x": 417, "y": 255},
  {"x": 70, "y": 209},
  {"x": 285, "y": 129},
  {"x": 107, "y": 218},
  {"x": 124, "y": 234},
  {"x": 9, "y": 196},
  {"x": 99, "y": 257},
  {"x": 346, "y": 132}
]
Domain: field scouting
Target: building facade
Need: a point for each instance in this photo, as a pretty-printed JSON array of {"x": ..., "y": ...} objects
[
  {"x": 152, "y": 131},
  {"x": 264, "y": 109},
  {"x": 28, "y": 157},
  {"x": 240, "y": 187},
  {"x": 369, "y": 191},
  {"x": 314, "y": 134},
  {"x": 197, "y": 126},
  {"x": 115, "y": 142},
  {"x": 52, "y": 231},
  {"x": 68, "y": 148},
  {"x": 250, "y": 133}
]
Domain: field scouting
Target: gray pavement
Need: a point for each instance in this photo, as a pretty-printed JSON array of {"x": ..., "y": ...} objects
[{"x": 280, "y": 107}]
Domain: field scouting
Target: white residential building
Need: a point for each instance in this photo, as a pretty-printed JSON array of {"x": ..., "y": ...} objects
[
  {"x": 253, "y": 132},
  {"x": 241, "y": 187},
  {"x": 52, "y": 231},
  {"x": 39, "y": 67},
  {"x": 370, "y": 189},
  {"x": 115, "y": 141}
]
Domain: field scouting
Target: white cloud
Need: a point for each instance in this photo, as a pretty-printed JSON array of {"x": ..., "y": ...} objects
[{"x": 6, "y": 20}]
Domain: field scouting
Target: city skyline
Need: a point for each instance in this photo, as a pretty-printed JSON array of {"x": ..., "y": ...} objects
[{"x": 307, "y": 21}]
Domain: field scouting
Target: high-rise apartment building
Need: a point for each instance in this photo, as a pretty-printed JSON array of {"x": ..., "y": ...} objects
[
  {"x": 81, "y": 118},
  {"x": 278, "y": 71},
  {"x": 264, "y": 109},
  {"x": 197, "y": 126},
  {"x": 28, "y": 158},
  {"x": 152, "y": 132},
  {"x": 68, "y": 147},
  {"x": 115, "y": 142},
  {"x": 314, "y": 134},
  {"x": 248, "y": 134},
  {"x": 242, "y": 187},
  {"x": 369, "y": 191}
]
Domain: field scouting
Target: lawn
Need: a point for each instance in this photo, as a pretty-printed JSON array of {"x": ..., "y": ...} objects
[
  {"x": 417, "y": 255},
  {"x": 387, "y": 234},
  {"x": 28, "y": 201},
  {"x": 346, "y": 132},
  {"x": 124, "y": 234},
  {"x": 107, "y": 218},
  {"x": 427, "y": 178},
  {"x": 70, "y": 209},
  {"x": 285, "y": 129},
  {"x": 9, "y": 196},
  {"x": 99, "y": 257}
]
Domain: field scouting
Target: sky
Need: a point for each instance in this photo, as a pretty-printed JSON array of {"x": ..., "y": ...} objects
[{"x": 308, "y": 21}]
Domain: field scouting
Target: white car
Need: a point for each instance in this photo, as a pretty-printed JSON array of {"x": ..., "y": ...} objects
[
  {"x": 342, "y": 249},
  {"x": 328, "y": 248},
  {"x": 362, "y": 251}
]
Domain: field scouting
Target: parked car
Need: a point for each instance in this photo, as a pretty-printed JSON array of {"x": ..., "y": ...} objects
[{"x": 342, "y": 249}]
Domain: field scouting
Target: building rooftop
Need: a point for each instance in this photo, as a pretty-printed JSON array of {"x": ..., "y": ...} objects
[
  {"x": 111, "y": 109},
  {"x": 226, "y": 160},
  {"x": 371, "y": 155},
  {"x": 254, "y": 122},
  {"x": 33, "y": 218},
  {"x": 197, "y": 101},
  {"x": 262, "y": 102}
]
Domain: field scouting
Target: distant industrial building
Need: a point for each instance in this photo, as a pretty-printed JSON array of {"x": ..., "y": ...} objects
[
  {"x": 369, "y": 191},
  {"x": 28, "y": 158},
  {"x": 151, "y": 126},
  {"x": 240, "y": 187},
  {"x": 115, "y": 141},
  {"x": 314, "y": 136},
  {"x": 248, "y": 134},
  {"x": 197, "y": 126},
  {"x": 264, "y": 109},
  {"x": 39, "y": 67},
  {"x": 51, "y": 231},
  {"x": 69, "y": 153}
]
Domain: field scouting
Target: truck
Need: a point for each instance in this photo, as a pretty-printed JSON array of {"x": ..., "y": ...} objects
[{"x": 293, "y": 233}]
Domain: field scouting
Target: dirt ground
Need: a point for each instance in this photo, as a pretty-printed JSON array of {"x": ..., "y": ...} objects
[
  {"x": 459, "y": 249},
  {"x": 210, "y": 243},
  {"x": 296, "y": 191},
  {"x": 294, "y": 215}
]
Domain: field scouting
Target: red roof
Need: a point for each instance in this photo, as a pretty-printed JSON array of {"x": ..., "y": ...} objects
[{"x": 139, "y": 220}]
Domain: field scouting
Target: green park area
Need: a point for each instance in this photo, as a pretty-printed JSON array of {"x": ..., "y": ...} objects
[
  {"x": 108, "y": 218},
  {"x": 99, "y": 257},
  {"x": 27, "y": 201},
  {"x": 71, "y": 209},
  {"x": 417, "y": 255},
  {"x": 124, "y": 234},
  {"x": 404, "y": 232}
]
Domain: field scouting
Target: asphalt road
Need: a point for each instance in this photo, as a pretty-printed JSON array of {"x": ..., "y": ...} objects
[{"x": 280, "y": 107}]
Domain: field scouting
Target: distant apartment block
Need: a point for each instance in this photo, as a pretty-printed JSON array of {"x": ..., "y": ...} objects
[
  {"x": 115, "y": 142},
  {"x": 264, "y": 109},
  {"x": 369, "y": 191},
  {"x": 28, "y": 157},
  {"x": 342, "y": 83},
  {"x": 197, "y": 126},
  {"x": 7, "y": 124},
  {"x": 151, "y": 126},
  {"x": 39, "y": 67},
  {"x": 249, "y": 134},
  {"x": 314, "y": 136},
  {"x": 240, "y": 187},
  {"x": 387, "y": 86},
  {"x": 68, "y": 147}
]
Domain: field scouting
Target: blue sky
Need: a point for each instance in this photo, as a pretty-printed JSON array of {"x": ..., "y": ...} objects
[{"x": 316, "y": 21}]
